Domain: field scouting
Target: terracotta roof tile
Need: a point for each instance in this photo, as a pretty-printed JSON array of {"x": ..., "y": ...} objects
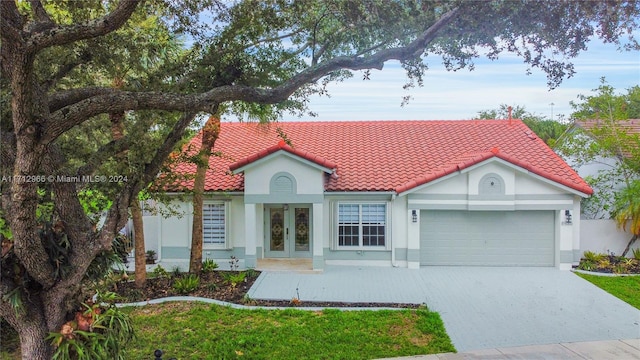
[{"x": 383, "y": 155}]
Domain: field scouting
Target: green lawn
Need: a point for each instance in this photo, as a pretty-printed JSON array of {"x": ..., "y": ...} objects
[
  {"x": 199, "y": 331},
  {"x": 626, "y": 288}
]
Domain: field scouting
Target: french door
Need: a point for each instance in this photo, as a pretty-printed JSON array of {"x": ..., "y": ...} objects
[{"x": 288, "y": 231}]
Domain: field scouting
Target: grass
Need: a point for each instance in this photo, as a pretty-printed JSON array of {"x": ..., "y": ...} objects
[
  {"x": 199, "y": 331},
  {"x": 625, "y": 288}
]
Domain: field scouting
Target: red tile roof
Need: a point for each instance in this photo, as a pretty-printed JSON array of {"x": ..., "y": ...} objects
[
  {"x": 282, "y": 145},
  {"x": 391, "y": 156}
]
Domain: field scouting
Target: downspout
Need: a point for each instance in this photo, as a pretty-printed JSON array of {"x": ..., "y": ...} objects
[{"x": 393, "y": 243}]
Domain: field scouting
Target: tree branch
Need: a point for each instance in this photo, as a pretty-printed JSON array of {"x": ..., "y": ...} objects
[
  {"x": 117, "y": 215},
  {"x": 65, "y": 69},
  {"x": 112, "y": 100},
  {"x": 103, "y": 153},
  {"x": 61, "y": 35},
  {"x": 39, "y": 12},
  {"x": 64, "y": 98}
]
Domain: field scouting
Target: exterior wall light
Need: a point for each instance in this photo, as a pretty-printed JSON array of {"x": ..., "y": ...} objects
[
  {"x": 567, "y": 216},
  {"x": 414, "y": 216}
]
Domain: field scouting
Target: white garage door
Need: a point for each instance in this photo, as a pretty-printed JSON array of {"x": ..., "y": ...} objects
[{"x": 489, "y": 238}]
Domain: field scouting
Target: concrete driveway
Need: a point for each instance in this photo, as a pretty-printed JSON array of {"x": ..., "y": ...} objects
[{"x": 482, "y": 307}]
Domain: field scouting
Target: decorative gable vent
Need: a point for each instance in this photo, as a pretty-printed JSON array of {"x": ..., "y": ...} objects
[
  {"x": 491, "y": 184},
  {"x": 282, "y": 183}
]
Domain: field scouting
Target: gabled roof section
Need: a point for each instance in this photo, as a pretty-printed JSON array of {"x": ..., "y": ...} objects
[
  {"x": 468, "y": 160},
  {"x": 386, "y": 156},
  {"x": 326, "y": 165}
]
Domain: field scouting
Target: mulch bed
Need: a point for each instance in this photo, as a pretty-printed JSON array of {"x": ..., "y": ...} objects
[
  {"x": 214, "y": 286},
  {"x": 611, "y": 264}
]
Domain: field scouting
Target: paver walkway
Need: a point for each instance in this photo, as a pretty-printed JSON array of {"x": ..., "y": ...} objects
[
  {"x": 482, "y": 307},
  {"x": 592, "y": 350}
]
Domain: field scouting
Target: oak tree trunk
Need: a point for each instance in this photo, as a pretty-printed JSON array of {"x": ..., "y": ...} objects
[{"x": 210, "y": 134}]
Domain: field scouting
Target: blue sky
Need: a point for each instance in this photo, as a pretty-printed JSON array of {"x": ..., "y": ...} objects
[{"x": 460, "y": 95}]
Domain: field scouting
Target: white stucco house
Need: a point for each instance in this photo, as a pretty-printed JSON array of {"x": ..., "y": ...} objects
[{"x": 386, "y": 193}]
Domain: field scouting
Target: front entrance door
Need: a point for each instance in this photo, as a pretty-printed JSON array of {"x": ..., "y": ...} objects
[{"x": 288, "y": 231}]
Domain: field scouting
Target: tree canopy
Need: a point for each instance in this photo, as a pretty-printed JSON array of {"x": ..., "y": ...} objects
[
  {"x": 603, "y": 137},
  {"x": 67, "y": 65},
  {"x": 547, "y": 130}
]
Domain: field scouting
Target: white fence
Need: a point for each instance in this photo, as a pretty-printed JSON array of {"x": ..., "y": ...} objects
[{"x": 602, "y": 236}]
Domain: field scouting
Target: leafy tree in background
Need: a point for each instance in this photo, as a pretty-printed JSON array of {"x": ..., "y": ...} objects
[
  {"x": 547, "y": 130},
  {"x": 253, "y": 57},
  {"x": 600, "y": 137}
]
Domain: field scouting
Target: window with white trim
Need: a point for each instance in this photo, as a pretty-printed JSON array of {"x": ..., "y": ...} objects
[
  {"x": 214, "y": 225},
  {"x": 362, "y": 225}
]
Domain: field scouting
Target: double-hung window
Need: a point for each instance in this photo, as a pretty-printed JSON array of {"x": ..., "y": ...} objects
[
  {"x": 362, "y": 225},
  {"x": 214, "y": 224}
]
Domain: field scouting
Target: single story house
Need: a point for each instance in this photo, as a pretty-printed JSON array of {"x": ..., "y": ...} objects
[{"x": 387, "y": 193}]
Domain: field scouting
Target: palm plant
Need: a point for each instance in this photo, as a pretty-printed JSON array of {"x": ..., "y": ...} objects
[{"x": 627, "y": 211}]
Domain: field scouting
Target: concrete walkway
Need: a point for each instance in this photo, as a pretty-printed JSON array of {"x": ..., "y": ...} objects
[
  {"x": 596, "y": 350},
  {"x": 482, "y": 307}
]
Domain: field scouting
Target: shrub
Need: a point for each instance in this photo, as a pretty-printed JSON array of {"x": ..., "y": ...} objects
[
  {"x": 593, "y": 257},
  {"x": 620, "y": 268},
  {"x": 586, "y": 265},
  {"x": 99, "y": 331},
  {"x": 247, "y": 300},
  {"x": 160, "y": 272},
  {"x": 186, "y": 284},
  {"x": 251, "y": 273},
  {"x": 209, "y": 265},
  {"x": 636, "y": 253},
  {"x": 234, "y": 279},
  {"x": 604, "y": 263},
  {"x": 175, "y": 271},
  {"x": 151, "y": 257}
]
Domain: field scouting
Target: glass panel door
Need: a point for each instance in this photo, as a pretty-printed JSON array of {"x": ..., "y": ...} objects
[
  {"x": 277, "y": 232},
  {"x": 287, "y": 231},
  {"x": 302, "y": 229}
]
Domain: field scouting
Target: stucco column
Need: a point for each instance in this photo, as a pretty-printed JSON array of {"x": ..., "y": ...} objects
[
  {"x": 318, "y": 236},
  {"x": 413, "y": 240},
  {"x": 577, "y": 253},
  {"x": 250, "y": 235}
]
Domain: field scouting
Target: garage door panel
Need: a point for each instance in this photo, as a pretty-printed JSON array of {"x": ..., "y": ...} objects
[{"x": 494, "y": 238}]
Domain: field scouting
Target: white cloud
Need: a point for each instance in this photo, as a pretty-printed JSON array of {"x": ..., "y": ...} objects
[{"x": 461, "y": 94}]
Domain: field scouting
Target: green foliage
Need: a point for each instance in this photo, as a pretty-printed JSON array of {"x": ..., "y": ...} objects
[
  {"x": 160, "y": 272},
  {"x": 187, "y": 284},
  {"x": 604, "y": 135},
  {"x": 106, "y": 261},
  {"x": 150, "y": 257},
  {"x": 99, "y": 331},
  {"x": 176, "y": 271},
  {"x": 5, "y": 231},
  {"x": 626, "y": 210},
  {"x": 594, "y": 257},
  {"x": 607, "y": 105},
  {"x": 251, "y": 273},
  {"x": 636, "y": 253},
  {"x": 234, "y": 278},
  {"x": 547, "y": 130},
  {"x": 208, "y": 265},
  {"x": 587, "y": 265},
  {"x": 94, "y": 202}
]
